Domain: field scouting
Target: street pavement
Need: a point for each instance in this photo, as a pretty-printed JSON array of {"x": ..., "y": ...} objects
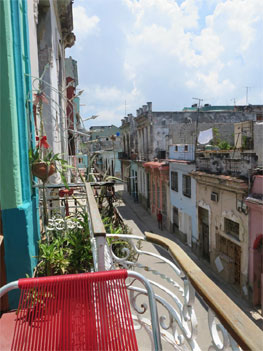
[{"x": 139, "y": 221}]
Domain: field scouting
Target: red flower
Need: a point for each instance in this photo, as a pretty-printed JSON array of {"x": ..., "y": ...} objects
[
  {"x": 43, "y": 142},
  {"x": 40, "y": 97}
]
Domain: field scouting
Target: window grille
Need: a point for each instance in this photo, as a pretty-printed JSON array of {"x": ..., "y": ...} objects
[
  {"x": 231, "y": 228},
  {"x": 187, "y": 185},
  {"x": 174, "y": 181}
]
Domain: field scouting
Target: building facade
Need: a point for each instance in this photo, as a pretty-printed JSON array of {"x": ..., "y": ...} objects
[
  {"x": 222, "y": 186},
  {"x": 18, "y": 199},
  {"x": 157, "y": 176},
  {"x": 255, "y": 205},
  {"x": 183, "y": 193}
]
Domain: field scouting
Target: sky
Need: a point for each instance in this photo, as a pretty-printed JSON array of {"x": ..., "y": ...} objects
[{"x": 168, "y": 52}]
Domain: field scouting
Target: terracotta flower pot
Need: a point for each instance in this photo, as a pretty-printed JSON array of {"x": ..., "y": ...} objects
[{"x": 42, "y": 170}]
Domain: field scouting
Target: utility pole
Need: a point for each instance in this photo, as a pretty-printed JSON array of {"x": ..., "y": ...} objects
[{"x": 197, "y": 120}]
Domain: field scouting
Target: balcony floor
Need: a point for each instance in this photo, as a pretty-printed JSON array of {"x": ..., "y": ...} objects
[{"x": 7, "y": 325}]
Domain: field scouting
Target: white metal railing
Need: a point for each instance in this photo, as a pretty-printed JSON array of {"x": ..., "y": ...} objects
[
  {"x": 61, "y": 205},
  {"x": 194, "y": 314}
]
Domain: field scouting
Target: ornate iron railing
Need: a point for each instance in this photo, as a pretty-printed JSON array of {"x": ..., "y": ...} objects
[{"x": 194, "y": 314}]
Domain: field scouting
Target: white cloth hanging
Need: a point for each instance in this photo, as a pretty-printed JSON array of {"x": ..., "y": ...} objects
[{"x": 205, "y": 136}]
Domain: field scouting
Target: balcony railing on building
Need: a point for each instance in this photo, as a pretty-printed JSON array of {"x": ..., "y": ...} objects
[
  {"x": 193, "y": 313},
  {"x": 228, "y": 162}
]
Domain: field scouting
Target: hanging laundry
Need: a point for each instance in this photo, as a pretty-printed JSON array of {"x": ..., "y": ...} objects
[{"x": 205, "y": 136}]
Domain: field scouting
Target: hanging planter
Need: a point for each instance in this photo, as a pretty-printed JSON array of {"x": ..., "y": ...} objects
[{"x": 43, "y": 170}]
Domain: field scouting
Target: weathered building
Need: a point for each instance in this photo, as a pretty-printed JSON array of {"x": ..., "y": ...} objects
[
  {"x": 54, "y": 34},
  {"x": 222, "y": 186},
  {"x": 129, "y": 151},
  {"x": 185, "y": 126},
  {"x": 105, "y": 141},
  {"x": 255, "y": 207},
  {"x": 157, "y": 175},
  {"x": 249, "y": 138},
  {"x": 73, "y": 118},
  {"x": 152, "y": 133},
  {"x": 110, "y": 164}
]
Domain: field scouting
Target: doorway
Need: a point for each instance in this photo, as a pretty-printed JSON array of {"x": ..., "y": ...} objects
[
  {"x": 203, "y": 221},
  {"x": 258, "y": 272}
]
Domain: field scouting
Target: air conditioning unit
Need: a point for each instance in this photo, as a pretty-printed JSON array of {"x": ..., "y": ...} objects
[
  {"x": 214, "y": 197},
  {"x": 239, "y": 205}
]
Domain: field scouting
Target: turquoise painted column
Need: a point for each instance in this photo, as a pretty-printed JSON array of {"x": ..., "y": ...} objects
[{"x": 18, "y": 201}]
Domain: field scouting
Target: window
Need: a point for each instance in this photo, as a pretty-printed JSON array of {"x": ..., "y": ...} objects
[
  {"x": 161, "y": 155},
  {"x": 187, "y": 185},
  {"x": 232, "y": 228},
  {"x": 176, "y": 148},
  {"x": 186, "y": 148},
  {"x": 174, "y": 181}
]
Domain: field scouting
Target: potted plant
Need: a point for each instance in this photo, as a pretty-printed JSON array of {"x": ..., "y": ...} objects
[{"x": 44, "y": 162}]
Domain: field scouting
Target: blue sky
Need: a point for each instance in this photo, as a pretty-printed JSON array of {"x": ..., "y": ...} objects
[{"x": 167, "y": 52}]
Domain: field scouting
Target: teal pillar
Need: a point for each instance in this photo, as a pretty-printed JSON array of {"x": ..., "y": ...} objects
[{"x": 19, "y": 203}]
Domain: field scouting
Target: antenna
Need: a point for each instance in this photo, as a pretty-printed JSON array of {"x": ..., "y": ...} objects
[
  {"x": 197, "y": 121},
  {"x": 234, "y": 100},
  {"x": 247, "y": 95},
  {"x": 199, "y": 101},
  {"x": 125, "y": 108}
]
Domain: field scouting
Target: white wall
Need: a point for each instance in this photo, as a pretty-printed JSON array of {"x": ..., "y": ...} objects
[
  {"x": 32, "y": 23},
  {"x": 186, "y": 206}
]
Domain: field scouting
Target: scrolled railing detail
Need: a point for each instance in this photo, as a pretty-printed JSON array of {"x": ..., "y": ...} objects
[
  {"x": 178, "y": 320},
  {"x": 225, "y": 341},
  {"x": 179, "y": 332}
]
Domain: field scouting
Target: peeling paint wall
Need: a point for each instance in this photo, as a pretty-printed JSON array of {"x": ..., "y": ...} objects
[
  {"x": 258, "y": 142},
  {"x": 157, "y": 130},
  {"x": 232, "y": 163},
  {"x": 225, "y": 207}
]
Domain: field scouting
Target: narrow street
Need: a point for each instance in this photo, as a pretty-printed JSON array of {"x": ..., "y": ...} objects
[{"x": 139, "y": 220}]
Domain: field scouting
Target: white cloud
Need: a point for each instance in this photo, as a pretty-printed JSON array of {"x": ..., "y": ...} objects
[
  {"x": 201, "y": 51},
  {"x": 83, "y": 24},
  {"x": 109, "y": 102},
  {"x": 167, "y": 52}
]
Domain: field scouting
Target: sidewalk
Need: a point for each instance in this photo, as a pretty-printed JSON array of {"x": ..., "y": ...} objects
[{"x": 139, "y": 220}]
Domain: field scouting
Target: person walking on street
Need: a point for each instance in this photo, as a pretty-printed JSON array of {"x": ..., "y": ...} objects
[{"x": 160, "y": 220}]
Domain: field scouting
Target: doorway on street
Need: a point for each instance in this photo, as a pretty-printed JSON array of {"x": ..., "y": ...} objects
[
  {"x": 203, "y": 221},
  {"x": 233, "y": 251},
  {"x": 258, "y": 271},
  {"x": 148, "y": 190},
  {"x": 175, "y": 219}
]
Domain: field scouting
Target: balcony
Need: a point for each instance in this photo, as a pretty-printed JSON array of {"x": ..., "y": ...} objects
[
  {"x": 192, "y": 312},
  {"x": 123, "y": 156},
  {"x": 228, "y": 162}
]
